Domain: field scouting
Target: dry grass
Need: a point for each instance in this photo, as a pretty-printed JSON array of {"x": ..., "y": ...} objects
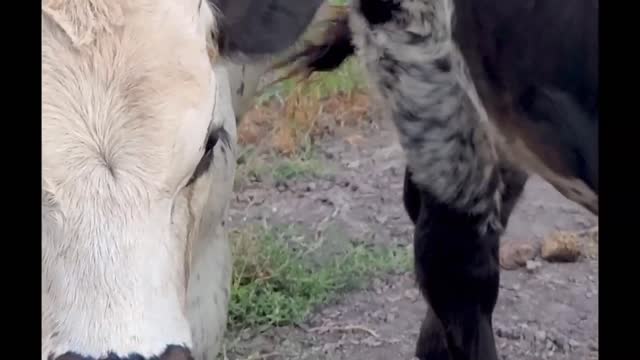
[
  {"x": 293, "y": 114},
  {"x": 290, "y": 116},
  {"x": 279, "y": 134}
]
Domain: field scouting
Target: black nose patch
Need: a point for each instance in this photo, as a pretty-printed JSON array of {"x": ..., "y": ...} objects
[{"x": 173, "y": 352}]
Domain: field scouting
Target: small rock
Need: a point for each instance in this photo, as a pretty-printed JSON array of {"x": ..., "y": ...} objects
[
  {"x": 381, "y": 218},
  {"x": 412, "y": 294},
  {"x": 353, "y": 164},
  {"x": 514, "y": 255},
  {"x": 326, "y": 201},
  {"x": 541, "y": 335},
  {"x": 549, "y": 346},
  {"x": 378, "y": 315},
  {"x": 574, "y": 344},
  {"x": 355, "y": 139},
  {"x": 390, "y": 317},
  {"x": 371, "y": 341},
  {"x": 559, "y": 343},
  {"x": 533, "y": 265},
  {"x": 511, "y": 334},
  {"x": 561, "y": 247},
  {"x": 330, "y": 178},
  {"x": 281, "y": 186},
  {"x": 311, "y": 186}
]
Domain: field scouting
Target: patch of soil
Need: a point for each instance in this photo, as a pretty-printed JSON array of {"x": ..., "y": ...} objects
[{"x": 547, "y": 313}]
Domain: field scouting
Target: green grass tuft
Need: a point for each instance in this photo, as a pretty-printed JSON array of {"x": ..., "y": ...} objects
[{"x": 275, "y": 283}]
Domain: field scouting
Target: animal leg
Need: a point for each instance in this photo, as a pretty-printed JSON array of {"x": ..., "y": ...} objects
[
  {"x": 514, "y": 180},
  {"x": 411, "y": 197},
  {"x": 432, "y": 342},
  {"x": 458, "y": 272}
]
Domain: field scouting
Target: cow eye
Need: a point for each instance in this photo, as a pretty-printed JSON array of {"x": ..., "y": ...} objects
[
  {"x": 215, "y": 136},
  {"x": 212, "y": 140}
]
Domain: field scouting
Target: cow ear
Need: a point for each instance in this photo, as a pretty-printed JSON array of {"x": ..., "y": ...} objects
[{"x": 256, "y": 28}]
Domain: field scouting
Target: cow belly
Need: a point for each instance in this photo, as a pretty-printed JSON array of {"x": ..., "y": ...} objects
[{"x": 572, "y": 188}]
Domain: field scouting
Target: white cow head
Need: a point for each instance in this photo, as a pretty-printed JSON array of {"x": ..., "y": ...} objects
[{"x": 138, "y": 138}]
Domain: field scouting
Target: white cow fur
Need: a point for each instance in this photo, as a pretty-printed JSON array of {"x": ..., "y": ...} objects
[{"x": 132, "y": 260}]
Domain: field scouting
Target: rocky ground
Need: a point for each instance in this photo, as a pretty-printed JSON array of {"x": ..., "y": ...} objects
[{"x": 546, "y": 310}]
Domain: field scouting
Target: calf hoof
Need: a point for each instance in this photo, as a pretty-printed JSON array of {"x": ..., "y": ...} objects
[
  {"x": 434, "y": 353},
  {"x": 432, "y": 343}
]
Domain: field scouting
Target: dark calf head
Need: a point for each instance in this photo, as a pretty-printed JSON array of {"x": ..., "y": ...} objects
[{"x": 252, "y": 29}]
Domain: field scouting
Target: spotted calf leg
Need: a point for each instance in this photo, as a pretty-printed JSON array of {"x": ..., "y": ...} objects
[
  {"x": 431, "y": 341},
  {"x": 458, "y": 272}
]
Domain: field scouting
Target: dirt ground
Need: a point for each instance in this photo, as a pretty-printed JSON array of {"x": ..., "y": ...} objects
[{"x": 547, "y": 313}]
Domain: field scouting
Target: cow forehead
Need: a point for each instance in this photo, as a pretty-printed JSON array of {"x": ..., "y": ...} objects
[{"x": 137, "y": 98}]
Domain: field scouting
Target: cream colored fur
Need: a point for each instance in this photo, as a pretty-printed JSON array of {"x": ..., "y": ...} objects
[{"x": 132, "y": 261}]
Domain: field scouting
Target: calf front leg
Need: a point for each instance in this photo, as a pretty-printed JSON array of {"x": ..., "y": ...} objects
[
  {"x": 432, "y": 341},
  {"x": 464, "y": 270},
  {"x": 458, "y": 272}
]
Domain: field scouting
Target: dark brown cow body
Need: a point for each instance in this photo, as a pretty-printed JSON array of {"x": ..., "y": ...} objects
[{"x": 473, "y": 88}]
